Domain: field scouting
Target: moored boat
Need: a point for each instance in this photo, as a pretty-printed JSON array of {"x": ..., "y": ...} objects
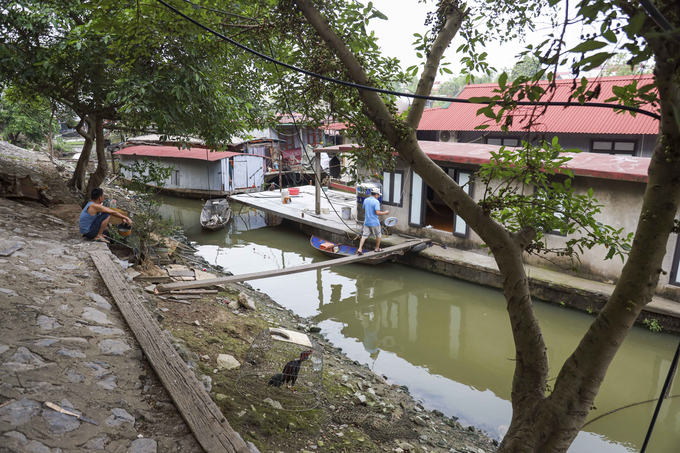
[
  {"x": 336, "y": 250},
  {"x": 215, "y": 214}
]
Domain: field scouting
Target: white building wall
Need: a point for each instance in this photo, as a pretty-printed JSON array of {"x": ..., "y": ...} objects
[
  {"x": 621, "y": 200},
  {"x": 193, "y": 174}
]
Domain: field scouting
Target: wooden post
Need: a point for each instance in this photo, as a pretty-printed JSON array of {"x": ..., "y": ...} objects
[
  {"x": 201, "y": 414},
  {"x": 290, "y": 270},
  {"x": 317, "y": 172},
  {"x": 278, "y": 145}
]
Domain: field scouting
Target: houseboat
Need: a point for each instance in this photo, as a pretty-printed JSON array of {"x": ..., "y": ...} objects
[{"x": 198, "y": 172}]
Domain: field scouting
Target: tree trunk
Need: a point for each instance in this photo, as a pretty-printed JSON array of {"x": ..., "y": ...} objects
[
  {"x": 99, "y": 175},
  {"x": 50, "y": 144},
  {"x": 78, "y": 179},
  {"x": 543, "y": 424}
]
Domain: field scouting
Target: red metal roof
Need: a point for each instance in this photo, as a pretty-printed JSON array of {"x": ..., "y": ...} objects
[
  {"x": 574, "y": 119},
  {"x": 594, "y": 165},
  {"x": 173, "y": 151}
]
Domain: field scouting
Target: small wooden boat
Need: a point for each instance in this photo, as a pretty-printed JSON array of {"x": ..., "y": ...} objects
[
  {"x": 340, "y": 251},
  {"x": 215, "y": 214}
]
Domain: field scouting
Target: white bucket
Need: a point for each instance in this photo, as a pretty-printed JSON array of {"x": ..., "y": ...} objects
[
  {"x": 284, "y": 194},
  {"x": 346, "y": 213}
]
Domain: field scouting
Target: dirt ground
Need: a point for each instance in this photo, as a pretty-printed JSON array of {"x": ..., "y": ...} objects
[
  {"x": 357, "y": 410},
  {"x": 63, "y": 340}
]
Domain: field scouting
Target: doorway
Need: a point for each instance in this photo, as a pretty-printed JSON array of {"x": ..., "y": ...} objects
[{"x": 437, "y": 213}]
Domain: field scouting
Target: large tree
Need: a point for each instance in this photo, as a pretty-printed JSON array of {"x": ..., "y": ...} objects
[
  {"x": 511, "y": 224},
  {"x": 130, "y": 64}
]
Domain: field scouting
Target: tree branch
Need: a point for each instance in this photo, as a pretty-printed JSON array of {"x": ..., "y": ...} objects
[
  {"x": 531, "y": 370},
  {"x": 441, "y": 43}
]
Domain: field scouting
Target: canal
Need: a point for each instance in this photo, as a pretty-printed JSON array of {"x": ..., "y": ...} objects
[{"x": 449, "y": 341}]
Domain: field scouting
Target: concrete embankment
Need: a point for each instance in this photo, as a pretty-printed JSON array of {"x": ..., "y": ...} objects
[{"x": 549, "y": 286}]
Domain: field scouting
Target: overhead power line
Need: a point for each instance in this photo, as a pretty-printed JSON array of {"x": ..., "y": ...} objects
[{"x": 396, "y": 93}]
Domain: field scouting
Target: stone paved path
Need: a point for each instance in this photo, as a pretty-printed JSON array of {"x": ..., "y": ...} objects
[{"x": 63, "y": 340}]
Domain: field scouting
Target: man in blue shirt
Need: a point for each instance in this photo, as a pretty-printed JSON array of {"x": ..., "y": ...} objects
[
  {"x": 94, "y": 217},
  {"x": 371, "y": 222}
]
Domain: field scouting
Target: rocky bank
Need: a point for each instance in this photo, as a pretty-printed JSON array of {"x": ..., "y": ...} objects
[{"x": 64, "y": 341}]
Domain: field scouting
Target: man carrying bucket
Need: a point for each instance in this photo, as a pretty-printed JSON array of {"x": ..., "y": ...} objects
[{"x": 372, "y": 223}]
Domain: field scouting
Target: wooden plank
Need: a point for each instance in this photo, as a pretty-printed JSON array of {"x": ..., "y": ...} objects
[
  {"x": 181, "y": 273},
  {"x": 291, "y": 270},
  {"x": 204, "y": 418},
  {"x": 196, "y": 291},
  {"x": 168, "y": 299},
  {"x": 152, "y": 279}
]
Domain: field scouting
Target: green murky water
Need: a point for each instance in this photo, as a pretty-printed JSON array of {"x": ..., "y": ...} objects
[{"x": 449, "y": 341}]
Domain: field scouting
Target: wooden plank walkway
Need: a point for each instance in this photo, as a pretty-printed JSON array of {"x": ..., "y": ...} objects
[
  {"x": 204, "y": 418},
  {"x": 291, "y": 270}
]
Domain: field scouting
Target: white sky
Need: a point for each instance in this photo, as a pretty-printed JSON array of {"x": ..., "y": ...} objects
[{"x": 408, "y": 16}]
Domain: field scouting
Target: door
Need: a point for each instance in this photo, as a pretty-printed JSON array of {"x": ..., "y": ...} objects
[
  {"x": 417, "y": 212},
  {"x": 224, "y": 171},
  {"x": 255, "y": 171},
  {"x": 240, "y": 172}
]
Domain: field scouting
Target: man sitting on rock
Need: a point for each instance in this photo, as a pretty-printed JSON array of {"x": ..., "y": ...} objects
[{"x": 95, "y": 218}]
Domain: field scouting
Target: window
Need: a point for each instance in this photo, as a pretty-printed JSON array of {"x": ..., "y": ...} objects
[
  {"x": 463, "y": 179},
  {"x": 393, "y": 188},
  {"x": 674, "y": 278},
  {"x": 290, "y": 140},
  {"x": 504, "y": 141},
  {"x": 622, "y": 147},
  {"x": 313, "y": 136},
  {"x": 288, "y": 135},
  {"x": 175, "y": 180}
]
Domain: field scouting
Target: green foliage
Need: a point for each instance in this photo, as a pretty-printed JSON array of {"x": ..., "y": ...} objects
[
  {"x": 652, "y": 324},
  {"x": 145, "y": 173},
  {"x": 618, "y": 65},
  {"x": 319, "y": 101},
  {"x": 151, "y": 228},
  {"x": 27, "y": 115},
  {"x": 533, "y": 188},
  {"x": 133, "y": 63},
  {"x": 528, "y": 67}
]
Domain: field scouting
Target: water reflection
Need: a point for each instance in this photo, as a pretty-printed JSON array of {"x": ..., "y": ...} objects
[{"x": 447, "y": 340}]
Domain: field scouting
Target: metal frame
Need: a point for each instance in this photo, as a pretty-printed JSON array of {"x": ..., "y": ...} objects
[
  {"x": 612, "y": 141},
  {"x": 390, "y": 190},
  {"x": 519, "y": 140},
  {"x": 676, "y": 263},
  {"x": 422, "y": 204},
  {"x": 471, "y": 193}
]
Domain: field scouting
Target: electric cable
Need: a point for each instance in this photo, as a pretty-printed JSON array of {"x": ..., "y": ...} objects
[
  {"x": 396, "y": 93},
  {"x": 304, "y": 148}
]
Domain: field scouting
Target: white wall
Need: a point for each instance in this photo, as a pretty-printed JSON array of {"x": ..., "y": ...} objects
[
  {"x": 621, "y": 200},
  {"x": 193, "y": 173}
]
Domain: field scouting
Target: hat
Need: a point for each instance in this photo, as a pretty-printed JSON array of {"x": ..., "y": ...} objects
[{"x": 375, "y": 191}]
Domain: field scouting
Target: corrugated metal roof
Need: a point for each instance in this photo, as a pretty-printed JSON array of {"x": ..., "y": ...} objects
[
  {"x": 577, "y": 120},
  {"x": 594, "y": 165},
  {"x": 173, "y": 151}
]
